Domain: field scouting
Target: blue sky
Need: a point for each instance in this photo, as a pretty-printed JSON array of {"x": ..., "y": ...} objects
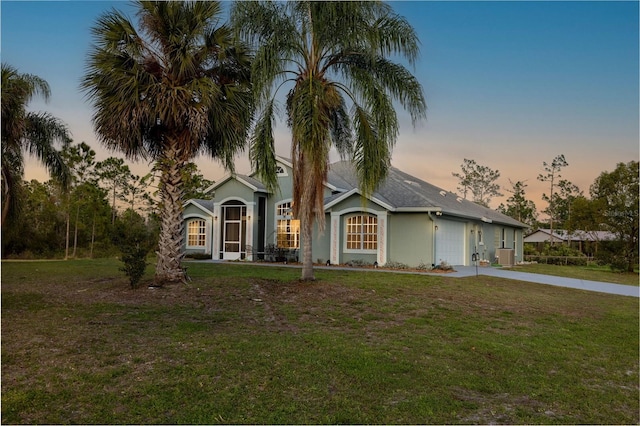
[{"x": 509, "y": 84}]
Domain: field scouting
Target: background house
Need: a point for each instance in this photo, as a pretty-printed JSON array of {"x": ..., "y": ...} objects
[
  {"x": 585, "y": 241},
  {"x": 405, "y": 220}
]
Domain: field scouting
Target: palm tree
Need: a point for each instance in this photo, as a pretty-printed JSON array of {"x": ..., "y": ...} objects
[
  {"x": 22, "y": 130},
  {"x": 176, "y": 88},
  {"x": 334, "y": 57}
]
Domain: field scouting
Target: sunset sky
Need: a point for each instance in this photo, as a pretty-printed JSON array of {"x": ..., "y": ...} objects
[{"x": 508, "y": 84}]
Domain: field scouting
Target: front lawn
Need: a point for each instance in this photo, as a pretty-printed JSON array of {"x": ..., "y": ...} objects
[
  {"x": 591, "y": 273},
  {"x": 246, "y": 344}
]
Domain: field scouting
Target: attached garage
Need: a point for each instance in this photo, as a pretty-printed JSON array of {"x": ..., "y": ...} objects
[{"x": 450, "y": 242}]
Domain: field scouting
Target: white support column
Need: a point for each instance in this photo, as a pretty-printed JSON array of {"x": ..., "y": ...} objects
[
  {"x": 249, "y": 234},
  {"x": 217, "y": 223},
  {"x": 382, "y": 237},
  {"x": 334, "y": 250},
  {"x": 209, "y": 231}
]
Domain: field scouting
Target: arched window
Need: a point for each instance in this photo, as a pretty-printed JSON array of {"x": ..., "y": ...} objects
[
  {"x": 287, "y": 228},
  {"x": 362, "y": 232},
  {"x": 196, "y": 233}
]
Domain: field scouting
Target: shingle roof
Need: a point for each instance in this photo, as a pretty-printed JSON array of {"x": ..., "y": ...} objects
[
  {"x": 253, "y": 181},
  {"x": 403, "y": 191},
  {"x": 207, "y": 204}
]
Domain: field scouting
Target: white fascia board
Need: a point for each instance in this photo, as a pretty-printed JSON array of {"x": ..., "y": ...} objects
[
  {"x": 342, "y": 197},
  {"x": 198, "y": 205},
  {"x": 250, "y": 185},
  {"x": 230, "y": 176},
  {"x": 284, "y": 161},
  {"x": 418, "y": 209},
  {"x": 354, "y": 191},
  {"x": 332, "y": 187},
  {"x": 219, "y": 183}
]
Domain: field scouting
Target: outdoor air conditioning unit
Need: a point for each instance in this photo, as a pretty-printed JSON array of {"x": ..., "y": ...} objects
[{"x": 506, "y": 257}]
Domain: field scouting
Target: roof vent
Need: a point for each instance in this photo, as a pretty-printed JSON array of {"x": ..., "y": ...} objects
[
  {"x": 459, "y": 199},
  {"x": 443, "y": 193},
  {"x": 412, "y": 183}
]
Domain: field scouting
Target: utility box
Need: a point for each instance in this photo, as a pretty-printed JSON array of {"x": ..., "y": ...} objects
[{"x": 506, "y": 257}]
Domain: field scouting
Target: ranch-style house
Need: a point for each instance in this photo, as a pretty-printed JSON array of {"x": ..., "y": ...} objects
[{"x": 405, "y": 220}]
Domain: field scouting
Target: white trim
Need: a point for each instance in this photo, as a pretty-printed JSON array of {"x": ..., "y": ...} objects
[
  {"x": 382, "y": 237},
  {"x": 283, "y": 173},
  {"x": 236, "y": 177},
  {"x": 359, "y": 212},
  {"x": 334, "y": 251},
  {"x": 217, "y": 230},
  {"x": 336, "y": 230},
  {"x": 248, "y": 238},
  {"x": 198, "y": 205},
  {"x": 277, "y": 217},
  {"x": 207, "y": 232},
  {"x": 418, "y": 209},
  {"x": 232, "y": 198},
  {"x": 348, "y": 194}
]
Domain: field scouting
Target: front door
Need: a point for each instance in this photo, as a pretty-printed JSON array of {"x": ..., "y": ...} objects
[{"x": 234, "y": 230}]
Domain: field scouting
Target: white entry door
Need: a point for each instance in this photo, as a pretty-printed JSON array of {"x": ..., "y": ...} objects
[
  {"x": 450, "y": 242},
  {"x": 233, "y": 232}
]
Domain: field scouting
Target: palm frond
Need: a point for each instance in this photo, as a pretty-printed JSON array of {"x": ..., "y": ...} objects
[
  {"x": 41, "y": 131},
  {"x": 262, "y": 151},
  {"x": 372, "y": 155}
]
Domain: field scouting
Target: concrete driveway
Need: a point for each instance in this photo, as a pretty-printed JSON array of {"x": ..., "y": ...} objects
[{"x": 610, "y": 288}]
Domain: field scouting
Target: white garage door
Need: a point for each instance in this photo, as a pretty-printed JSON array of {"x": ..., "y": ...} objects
[{"x": 450, "y": 242}]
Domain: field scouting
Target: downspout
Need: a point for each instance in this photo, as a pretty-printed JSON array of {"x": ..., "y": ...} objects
[{"x": 433, "y": 231}]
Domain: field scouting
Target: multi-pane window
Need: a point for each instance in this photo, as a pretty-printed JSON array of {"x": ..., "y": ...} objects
[
  {"x": 197, "y": 233},
  {"x": 283, "y": 209},
  {"x": 288, "y": 233},
  {"x": 287, "y": 228},
  {"x": 362, "y": 232}
]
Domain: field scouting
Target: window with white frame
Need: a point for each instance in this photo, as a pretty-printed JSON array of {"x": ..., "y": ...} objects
[
  {"x": 362, "y": 232},
  {"x": 287, "y": 228},
  {"x": 196, "y": 233}
]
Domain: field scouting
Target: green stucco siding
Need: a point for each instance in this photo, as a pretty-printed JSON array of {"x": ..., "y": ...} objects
[
  {"x": 234, "y": 189},
  {"x": 409, "y": 239},
  {"x": 193, "y": 210},
  {"x": 321, "y": 242}
]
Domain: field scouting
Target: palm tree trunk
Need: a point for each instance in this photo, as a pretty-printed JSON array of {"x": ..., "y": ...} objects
[
  {"x": 170, "y": 245},
  {"x": 307, "y": 256},
  {"x": 6, "y": 198}
]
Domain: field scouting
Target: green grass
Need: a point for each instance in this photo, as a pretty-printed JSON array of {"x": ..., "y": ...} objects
[
  {"x": 251, "y": 344},
  {"x": 591, "y": 273}
]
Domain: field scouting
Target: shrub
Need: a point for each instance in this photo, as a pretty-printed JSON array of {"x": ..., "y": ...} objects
[
  {"x": 135, "y": 263},
  {"x": 392, "y": 264},
  {"x": 358, "y": 262},
  {"x": 199, "y": 256},
  {"x": 133, "y": 238},
  {"x": 444, "y": 266},
  {"x": 423, "y": 267}
]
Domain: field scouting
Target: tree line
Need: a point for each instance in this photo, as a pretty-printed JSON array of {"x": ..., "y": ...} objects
[
  {"x": 181, "y": 82},
  {"x": 611, "y": 205},
  {"x": 91, "y": 215}
]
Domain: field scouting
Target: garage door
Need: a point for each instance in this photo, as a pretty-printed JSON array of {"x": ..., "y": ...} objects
[{"x": 450, "y": 242}]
